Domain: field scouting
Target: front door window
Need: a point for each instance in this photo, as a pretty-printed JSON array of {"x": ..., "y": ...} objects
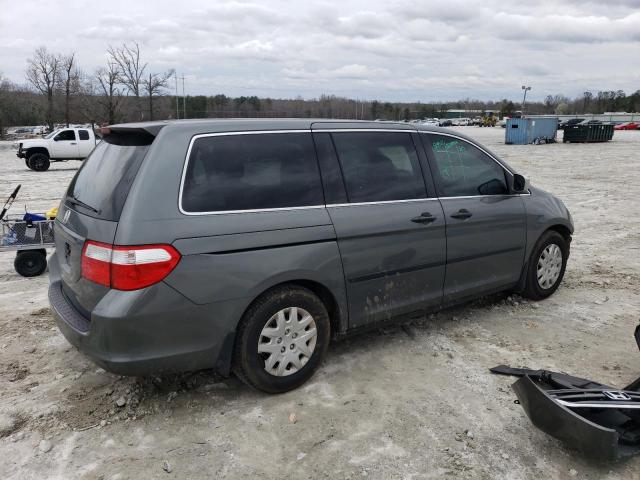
[{"x": 462, "y": 169}]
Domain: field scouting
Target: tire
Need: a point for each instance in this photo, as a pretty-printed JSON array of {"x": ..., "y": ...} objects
[
  {"x": 26, "y": 162},
  {"x": 30, "y": 263},
  {"x": 251, "y": 366},
  {"x": 540, "y": 285},
  {"x": 39, "y": 162}
]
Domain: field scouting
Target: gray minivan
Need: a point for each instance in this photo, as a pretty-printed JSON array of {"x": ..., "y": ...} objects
[{"x": 246, "y": 245}]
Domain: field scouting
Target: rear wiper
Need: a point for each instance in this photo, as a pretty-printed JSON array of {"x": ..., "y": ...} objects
[{"x": 75, "y": 201}]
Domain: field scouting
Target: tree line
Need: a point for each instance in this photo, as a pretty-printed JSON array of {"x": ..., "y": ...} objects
[{"x": 126, "y": 88}]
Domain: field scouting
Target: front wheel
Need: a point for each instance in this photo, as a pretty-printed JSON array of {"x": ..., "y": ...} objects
[
  {"x": 39, "y": 162},
  {"x": 282, "y": 339},
  {"x": 546, "y": 265}
]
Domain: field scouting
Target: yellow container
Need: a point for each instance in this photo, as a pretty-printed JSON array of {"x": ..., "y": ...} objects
[{"x": 51, "y": 214}]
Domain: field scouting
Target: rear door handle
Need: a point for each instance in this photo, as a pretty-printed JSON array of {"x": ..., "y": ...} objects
[
  {"x": 462, "y": 214},
  {"x": 425, "y": 217},
  {"x": 73, "y": 143}
]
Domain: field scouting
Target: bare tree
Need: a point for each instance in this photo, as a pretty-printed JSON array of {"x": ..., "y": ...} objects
[
  {"x": 131, "y": 69},
  {"x": 43, "y": 71},
  {"x": 69, "y": 82},
  {"x": 108, "y": 81},
  {"x": 155, "y": 84},
  {"x": 4, "y": 100},
  {"x": 586, "y": 101}
]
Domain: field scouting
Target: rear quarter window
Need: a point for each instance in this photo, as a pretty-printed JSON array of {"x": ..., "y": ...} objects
[{"x": 251, "y": 172}]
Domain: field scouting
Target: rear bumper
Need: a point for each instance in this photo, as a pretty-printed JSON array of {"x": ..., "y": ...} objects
[{"x": 150, "y": 331}]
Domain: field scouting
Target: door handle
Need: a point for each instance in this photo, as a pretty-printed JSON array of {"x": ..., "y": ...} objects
[
  {"x": 425, "y": 217},
  {"x": 462, "y": 214},
  {"x": 73, "y": 143}
]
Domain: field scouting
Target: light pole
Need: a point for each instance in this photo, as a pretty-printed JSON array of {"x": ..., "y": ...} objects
[
  {"x": 184, "y": 99},
  {"x": 524, "y": 99},
  {"x": 177, "y": 98}
]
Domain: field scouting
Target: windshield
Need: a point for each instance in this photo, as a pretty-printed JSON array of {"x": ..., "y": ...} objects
[
  {"x": 51, "y": 134},
  {"x": 102, "y": 184}
]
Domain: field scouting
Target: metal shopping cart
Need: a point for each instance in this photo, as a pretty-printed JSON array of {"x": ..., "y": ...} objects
[{"x": 30, "y": 235}]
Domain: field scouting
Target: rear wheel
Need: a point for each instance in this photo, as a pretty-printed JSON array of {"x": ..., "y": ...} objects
[
  {"x": 282, "y": 339},
  {"x": 30, "y": 263},
  {"x": 546, "y": 265},
  {"x": 39, "y": 162}
]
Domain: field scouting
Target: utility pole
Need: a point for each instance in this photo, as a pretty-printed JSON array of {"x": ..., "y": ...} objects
[
  {"x": 177, "y": 97},
  {"x": 524, "y": 99},
  {"x": 184, "y": 99}
]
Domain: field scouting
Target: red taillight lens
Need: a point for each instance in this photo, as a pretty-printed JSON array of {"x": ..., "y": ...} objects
[
  {"x": 127, "y": 268},
  {"x": 138, "y": 267},
  {"x": 96, "y": 262}
]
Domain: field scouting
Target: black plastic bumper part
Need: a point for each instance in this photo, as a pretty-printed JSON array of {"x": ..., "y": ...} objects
[{"x": 602, "y": 422}]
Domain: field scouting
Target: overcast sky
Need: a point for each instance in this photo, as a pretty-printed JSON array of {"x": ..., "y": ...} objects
[{"x": 385, "y": 49}]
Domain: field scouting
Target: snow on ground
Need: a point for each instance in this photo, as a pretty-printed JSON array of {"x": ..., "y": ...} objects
[{"x": 384, "y": 405}]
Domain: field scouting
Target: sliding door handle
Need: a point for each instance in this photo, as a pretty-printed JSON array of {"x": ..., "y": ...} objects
[
  {"x": 462, "y": 214},
  {"x": 425, "y": 217}
]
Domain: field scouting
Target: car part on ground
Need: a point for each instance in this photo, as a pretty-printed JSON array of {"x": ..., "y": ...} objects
[{"x": 601, "y": 421}]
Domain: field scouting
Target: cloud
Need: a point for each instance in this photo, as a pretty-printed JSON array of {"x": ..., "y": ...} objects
[
  {"x": 386, "y": 49},
  {"x": 568, "y": 28},
  {"x": 353, "y": 71}
]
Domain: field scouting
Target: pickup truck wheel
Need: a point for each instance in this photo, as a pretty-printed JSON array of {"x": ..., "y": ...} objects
[
  {"x": 281, "y": 339},
  {"x": 26, "y": 162},
  {"x": 30, "y": 263},
  {"x": 546, "y": 266},
  {"x": 39, "y": 162}
]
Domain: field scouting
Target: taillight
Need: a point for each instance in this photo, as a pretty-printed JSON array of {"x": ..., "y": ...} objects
[
  {"x": 127, "y": 268},
  {"x": 96, "y": 262}
]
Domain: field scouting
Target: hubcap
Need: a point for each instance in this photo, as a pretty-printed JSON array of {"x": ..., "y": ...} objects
[
  {"x": 549, "y": 266},
  {"x": 287, "y": 341}
]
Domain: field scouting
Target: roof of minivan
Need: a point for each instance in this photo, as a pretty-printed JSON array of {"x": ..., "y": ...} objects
[
  {"x": 227, "y": 124},
  {"x": 199, "y": 126}
]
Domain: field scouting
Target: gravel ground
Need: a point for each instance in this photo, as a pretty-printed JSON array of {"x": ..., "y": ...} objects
[{"x": 415, "y": 403}]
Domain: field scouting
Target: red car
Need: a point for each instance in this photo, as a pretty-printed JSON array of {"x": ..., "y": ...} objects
[{"x": 627, "y": 126}]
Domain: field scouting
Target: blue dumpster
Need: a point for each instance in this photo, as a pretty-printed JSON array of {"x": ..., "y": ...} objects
[{"x": 523, "y": 131}]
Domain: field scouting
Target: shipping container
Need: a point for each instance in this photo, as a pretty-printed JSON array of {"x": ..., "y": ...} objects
[{"x": 523, "y": 131}]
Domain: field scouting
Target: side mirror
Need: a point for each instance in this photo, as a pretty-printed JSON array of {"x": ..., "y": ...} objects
[
  {"x": 56, "y": 139},
  {"x": 520, "y": 183}
]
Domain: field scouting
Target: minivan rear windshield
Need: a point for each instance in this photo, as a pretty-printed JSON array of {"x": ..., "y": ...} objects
[{"x": 102, "y": 184}]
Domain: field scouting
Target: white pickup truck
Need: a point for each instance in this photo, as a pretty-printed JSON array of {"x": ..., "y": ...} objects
[{"x": 59, "y": 145}]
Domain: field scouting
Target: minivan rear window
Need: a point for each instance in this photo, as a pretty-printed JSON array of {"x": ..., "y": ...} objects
[
  {"x": 251, "y": 172},
  {"x": 102, "y": 184}
]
